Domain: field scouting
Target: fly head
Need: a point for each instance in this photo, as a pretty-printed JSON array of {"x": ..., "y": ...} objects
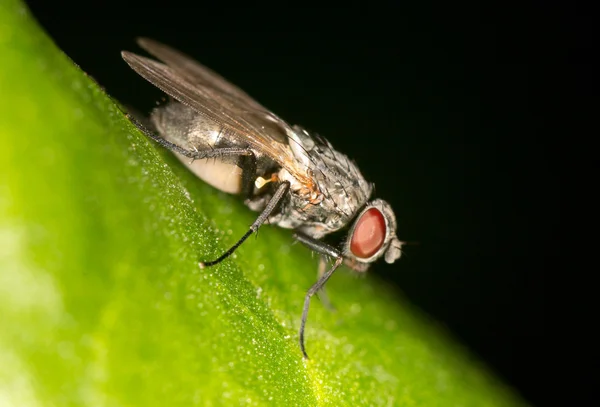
[{"x": 372, "y": 236}]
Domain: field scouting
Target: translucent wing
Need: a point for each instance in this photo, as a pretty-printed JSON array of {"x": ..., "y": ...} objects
[
  {"x": 196, "y": 72},
  {"x": 250, "y": 123}
]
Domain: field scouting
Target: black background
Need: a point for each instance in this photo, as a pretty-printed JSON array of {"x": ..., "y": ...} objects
[{"x": 435, "y": 104}]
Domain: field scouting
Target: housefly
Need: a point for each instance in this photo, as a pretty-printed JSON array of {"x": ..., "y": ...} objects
[{"x": 293, "y": 178}]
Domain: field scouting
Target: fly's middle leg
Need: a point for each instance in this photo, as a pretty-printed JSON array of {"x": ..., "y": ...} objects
[
  {"x": 248, "y": 164},
  {"x": 279, "y": 194}
]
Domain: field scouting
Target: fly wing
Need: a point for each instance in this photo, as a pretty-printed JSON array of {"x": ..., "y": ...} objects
[
  {"x": 254, "y": 125},
  {"x": 196, "y": 72}
]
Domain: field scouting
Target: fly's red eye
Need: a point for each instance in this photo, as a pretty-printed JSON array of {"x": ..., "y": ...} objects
[{"x": 369, "y": 234}]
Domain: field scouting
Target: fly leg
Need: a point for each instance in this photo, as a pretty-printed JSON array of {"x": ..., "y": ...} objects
[
  {"x": 195, "y": 154},
  {"x": 322, "y": 292},
  {"x": 280, "y": 192},
  {"x": 325, "y": 250},
  {"x": 248, "y": 165},
  {"x": 247, "y": 159}
]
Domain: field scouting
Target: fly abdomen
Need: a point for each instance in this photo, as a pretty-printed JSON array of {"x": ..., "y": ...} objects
[{"x": 183, "y": 126}]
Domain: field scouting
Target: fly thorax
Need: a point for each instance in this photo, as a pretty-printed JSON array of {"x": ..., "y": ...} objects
[
  {"x": 344, "y": 188},
  {"x": 339, "y": 190}
]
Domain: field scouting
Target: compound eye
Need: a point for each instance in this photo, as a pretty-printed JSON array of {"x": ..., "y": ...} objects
[{"x": 369, "y": 234}]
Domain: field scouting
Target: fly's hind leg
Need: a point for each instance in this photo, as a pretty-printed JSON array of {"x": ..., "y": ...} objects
[
  {"x": 247, "y": 158},
  {"x": 195, "y": 154}
]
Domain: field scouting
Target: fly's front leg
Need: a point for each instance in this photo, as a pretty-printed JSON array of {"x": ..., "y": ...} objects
[
  {"x": 323, "y": 293},
  {"x": 279, "y": 194},
  {"x": 325, "y": 250}
]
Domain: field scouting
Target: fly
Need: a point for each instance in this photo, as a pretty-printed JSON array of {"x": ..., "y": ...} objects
[{"x": 295, "y": 179}]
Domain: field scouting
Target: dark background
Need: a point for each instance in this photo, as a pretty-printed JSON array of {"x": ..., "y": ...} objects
[{"x": 436, "y": 105}]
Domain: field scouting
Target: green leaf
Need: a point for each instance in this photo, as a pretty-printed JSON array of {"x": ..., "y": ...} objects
[{"x": 102, "y": 301}]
